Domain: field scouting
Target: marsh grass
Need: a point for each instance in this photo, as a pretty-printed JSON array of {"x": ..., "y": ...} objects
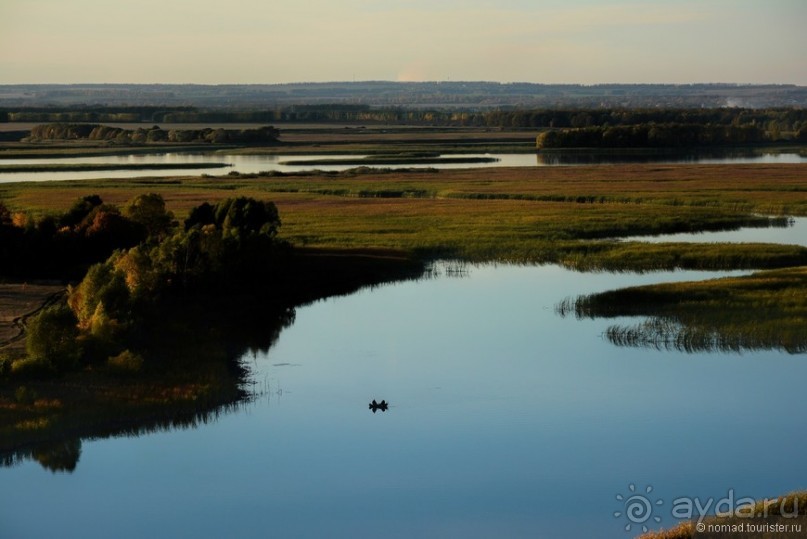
[
  {"x": 642, "y": 257},
  {"x": 542, "y": 215},
  {"x": 764, "y": 310},
  {"x": 386, "y": 159}
]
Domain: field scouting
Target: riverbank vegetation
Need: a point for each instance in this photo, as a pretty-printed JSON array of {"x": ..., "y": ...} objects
[
  {"x": 653, "y": 136},
  {"x": 153, "y": 135},
  {"x": 155, "y": 331},
  {"x": 397, "y": 159},
  {"x": 183, "y": 363},
  {"x": 765, "y": 310}
]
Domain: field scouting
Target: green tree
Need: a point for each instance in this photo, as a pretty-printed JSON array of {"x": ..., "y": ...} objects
[
  {"x": 201, "y": 215},
  {"x": 80, "y": 210},
  {"x": 148, "y": 210},
  {"x": 102, "y": 293},
  {"x": 246, "y": 216},
  {"x": 53, "y": 336}
]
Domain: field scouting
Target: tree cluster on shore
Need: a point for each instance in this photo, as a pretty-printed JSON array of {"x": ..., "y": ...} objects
[
  {"x": 105, "y": 315},
  {"x": 62, "y": 246},
  {"x": 152, "y": 135},
  {"x": 652, "y": 136}
]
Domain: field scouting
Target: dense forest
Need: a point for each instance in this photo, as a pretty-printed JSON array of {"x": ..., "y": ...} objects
[
  {"x": 561, "y": 128},
  {"x": 652, "y": 136},
  {"x": 779, "y": 123}
]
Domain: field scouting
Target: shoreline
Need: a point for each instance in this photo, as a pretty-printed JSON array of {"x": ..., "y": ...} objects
[{"x": 91, "y": 403}]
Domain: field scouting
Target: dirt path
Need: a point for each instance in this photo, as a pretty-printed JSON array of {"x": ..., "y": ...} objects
[{"x": 18, "y": 301}]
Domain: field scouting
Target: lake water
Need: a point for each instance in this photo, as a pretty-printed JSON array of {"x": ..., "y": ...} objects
[
  {"x": 259, "y": 163},
  {"x": 506, "y": 420},
  {"x": 794, "y": 234}
]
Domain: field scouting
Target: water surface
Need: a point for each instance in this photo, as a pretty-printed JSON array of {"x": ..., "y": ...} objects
[
  {"x": 506, "y": 421},
  {"x": 793, "y": 234},
  {"x": 249, "y": 164}
]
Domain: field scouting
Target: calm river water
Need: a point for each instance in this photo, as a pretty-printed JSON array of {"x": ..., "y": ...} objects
[
  {"x": 259, "y": 163},
  {"x": 506, "y": 420}
]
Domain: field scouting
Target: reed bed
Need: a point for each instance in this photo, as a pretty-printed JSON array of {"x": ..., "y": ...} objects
[
  {"x": 764, "y": 310},
  {"x": 537, "y": 215}
]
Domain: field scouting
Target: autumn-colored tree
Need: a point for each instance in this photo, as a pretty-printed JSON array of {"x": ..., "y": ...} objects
[{"x": 148, "y": 210}]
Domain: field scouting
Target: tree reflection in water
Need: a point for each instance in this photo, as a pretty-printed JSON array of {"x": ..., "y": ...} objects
[
  {"x": 195, "y": 340},
  {"x": 249, "y": 331}
]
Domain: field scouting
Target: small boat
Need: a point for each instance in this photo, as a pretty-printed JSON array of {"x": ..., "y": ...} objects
[{"x": 375, "y": 406}]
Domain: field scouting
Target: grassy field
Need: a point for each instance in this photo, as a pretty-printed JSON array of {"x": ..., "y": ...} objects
[{"x": 538, "y": 215}]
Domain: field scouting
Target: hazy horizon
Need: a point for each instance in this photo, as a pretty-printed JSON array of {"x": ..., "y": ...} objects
[
  {"x": 370, "y": 81},
  {"x": 552, "y": 42}
]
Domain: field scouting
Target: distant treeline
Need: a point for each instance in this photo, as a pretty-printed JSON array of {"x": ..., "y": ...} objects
[
  {"x": 652, "y": 136},
  {"x": 779, "y": 122},
  {"x": 790, "y": 119},
  {"x": 90, "y": 114},
  {"x": 69, "y": 131},
  {"x": 466, "y": 95}
]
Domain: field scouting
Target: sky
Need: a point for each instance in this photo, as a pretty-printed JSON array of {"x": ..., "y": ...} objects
[{"x": 276, "y": 41}]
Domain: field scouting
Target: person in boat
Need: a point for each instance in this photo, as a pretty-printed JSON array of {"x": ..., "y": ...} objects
[{"x": 378, "y": 405}]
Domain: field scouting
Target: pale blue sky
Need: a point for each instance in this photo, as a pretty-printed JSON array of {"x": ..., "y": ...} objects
[{"x": 271, "y": 41}]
